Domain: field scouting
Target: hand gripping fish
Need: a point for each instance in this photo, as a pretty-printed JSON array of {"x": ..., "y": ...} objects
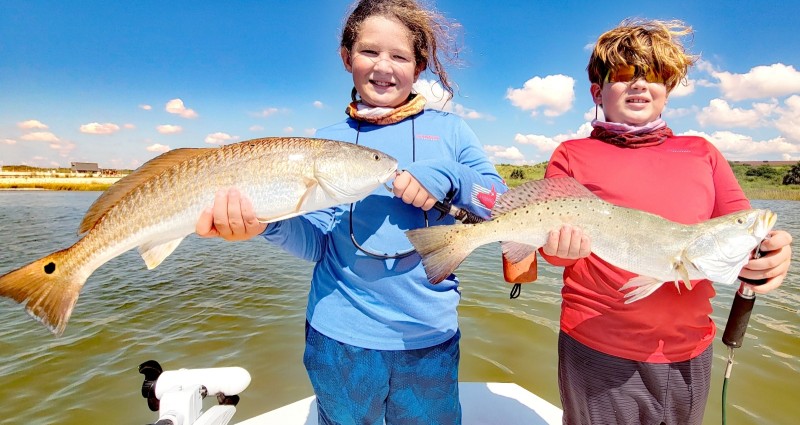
[
  {"x": 656, "y": 249},
  {"x": 158, "y": 205}
]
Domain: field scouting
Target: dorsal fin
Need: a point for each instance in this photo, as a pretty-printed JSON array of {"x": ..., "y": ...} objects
[
  {"x": 538, "y": 191},
  {"x": 125, "y": 185}
]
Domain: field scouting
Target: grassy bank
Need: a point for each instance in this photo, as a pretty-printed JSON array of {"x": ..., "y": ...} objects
[
  {"x": 762, "y": 182},
  {"x": 57, "y": 183}
]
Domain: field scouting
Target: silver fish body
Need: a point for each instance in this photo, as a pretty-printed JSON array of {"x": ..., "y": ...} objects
[
  {"x": 656, "y": 249},
  {"x": 158, "y": 205}
]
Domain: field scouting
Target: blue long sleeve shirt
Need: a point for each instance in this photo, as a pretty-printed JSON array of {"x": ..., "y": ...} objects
[{"x": 388, "y": 304}]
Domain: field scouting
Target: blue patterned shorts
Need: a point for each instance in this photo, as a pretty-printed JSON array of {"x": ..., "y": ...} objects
[{"x": 361, "y": 386}]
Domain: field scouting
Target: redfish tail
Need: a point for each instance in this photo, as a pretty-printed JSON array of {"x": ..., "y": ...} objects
[
  {"x": 442, "y": 248},
  {"x": 46, "y": 289}
]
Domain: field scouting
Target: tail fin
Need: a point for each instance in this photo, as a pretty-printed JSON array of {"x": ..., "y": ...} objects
[
  {"x": 442, "y": 249},
  {"x": 48, "y": 290}
]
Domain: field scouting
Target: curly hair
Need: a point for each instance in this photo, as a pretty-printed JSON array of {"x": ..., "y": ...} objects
[
  {"x": 430, "y": 31},
  {"x": 647, "y": 45}
]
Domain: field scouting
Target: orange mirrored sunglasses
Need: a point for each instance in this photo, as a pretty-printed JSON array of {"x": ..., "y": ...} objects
[{"x": 627, "y": 73}]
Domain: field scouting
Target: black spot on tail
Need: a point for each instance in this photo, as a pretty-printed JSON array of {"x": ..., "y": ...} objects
[{"x": 50, "y": 268}]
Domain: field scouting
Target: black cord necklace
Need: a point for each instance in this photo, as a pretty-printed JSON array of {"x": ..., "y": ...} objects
[{"x": 374, "y": 254}]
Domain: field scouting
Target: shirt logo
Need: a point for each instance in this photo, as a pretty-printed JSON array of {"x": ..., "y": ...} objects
[{"x": 484, "y": 197}]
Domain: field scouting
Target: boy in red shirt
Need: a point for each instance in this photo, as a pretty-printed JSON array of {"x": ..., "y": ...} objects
[{"x": 647, "y": 362}]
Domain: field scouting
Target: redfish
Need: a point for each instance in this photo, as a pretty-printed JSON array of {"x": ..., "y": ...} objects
[{"x": 157, "y": 206}]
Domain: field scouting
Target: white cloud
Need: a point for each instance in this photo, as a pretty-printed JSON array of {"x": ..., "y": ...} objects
[
  {"x": 434, "y": 94},
  {"x": 739, "y": 147},
  {"x": 543, "y": 143},
  {"x": 169, "y": 129},
  {"x": 40, "y": 136},
  {"x": 220, "y": 138},
  {"x": 788, "y": 122},
  {"x": 554, "y": 93},
  {"x": 98, "y": 128},
  {"x": 470, "y": 114},
  {"x": 157, "y": 148},
  {"x": 129, "y": 126},
  {"x": 9, "y": 142},
  {"x": 761, "y": 82},
  {"x": 683, "y": 90},
  {"x": 318, "y": 104},
  {"x": 679, "y": 112},
  {"x": 590, "y": 114},
  {"x": 256, "y": 128},
  {"x": 267, "y": 112},
  {"x": 504, "y": 154},
  {"x": 309, "y": 132},
  {"x": 146, "y": 107},
  {"x": 32, "y": 125},
  {"x": 176, "y": 106},
  {"x": 720, "y": 113},
  {"x": 288, "y": 130}
]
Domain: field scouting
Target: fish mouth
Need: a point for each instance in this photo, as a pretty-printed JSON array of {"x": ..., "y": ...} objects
[{"x": 765, "y": 223}]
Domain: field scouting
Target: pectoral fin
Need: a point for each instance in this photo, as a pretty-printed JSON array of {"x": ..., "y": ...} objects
[
  {"x": 684, "y": 275},
  {"x": 311, "y": 186},
  {"x": 154, "y": 253},
  {"x": 644, "y": 285}
]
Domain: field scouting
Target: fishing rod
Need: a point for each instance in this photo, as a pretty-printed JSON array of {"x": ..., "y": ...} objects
[{"x": 735, "y": 328}]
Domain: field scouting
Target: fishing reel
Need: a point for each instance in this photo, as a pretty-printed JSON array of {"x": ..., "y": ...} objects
[{"x": 178, "y": 395}]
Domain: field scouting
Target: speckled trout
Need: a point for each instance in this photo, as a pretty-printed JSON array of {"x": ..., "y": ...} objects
[
  {"x": 656, "y": 249},
  {"x": 158, "y": 205}
]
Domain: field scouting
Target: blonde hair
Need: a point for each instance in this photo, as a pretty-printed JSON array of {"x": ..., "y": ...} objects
[
  {"x": 647, "y": 45},
  {"x": 430, "y": 32}
]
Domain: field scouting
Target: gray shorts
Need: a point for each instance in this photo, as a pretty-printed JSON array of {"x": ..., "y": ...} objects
[{"x": 599, "y": 389}]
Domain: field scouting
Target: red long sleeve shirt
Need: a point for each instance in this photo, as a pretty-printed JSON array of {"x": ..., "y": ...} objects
[{"x": 686, "y": 180}]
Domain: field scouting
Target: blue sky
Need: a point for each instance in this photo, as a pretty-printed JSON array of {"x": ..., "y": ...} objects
[{"x": 118, "y": 83}]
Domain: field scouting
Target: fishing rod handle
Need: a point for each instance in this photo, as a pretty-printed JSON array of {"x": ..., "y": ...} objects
[
  {"x": 739, "y": 316},
  {"x": 460, "y": 214}
]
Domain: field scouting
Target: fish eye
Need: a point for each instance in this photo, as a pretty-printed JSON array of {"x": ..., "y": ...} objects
[
  {"x": 740, "y": 220},
  {"x": 376, "y": 157}
]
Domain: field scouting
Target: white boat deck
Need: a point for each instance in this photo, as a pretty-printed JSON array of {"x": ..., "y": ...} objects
[{"x": 482, "y": 403}]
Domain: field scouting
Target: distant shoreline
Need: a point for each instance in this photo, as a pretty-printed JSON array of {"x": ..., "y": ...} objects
[
  {"x": 83, "y": 183},
  {"x": 99, "y": 184}
]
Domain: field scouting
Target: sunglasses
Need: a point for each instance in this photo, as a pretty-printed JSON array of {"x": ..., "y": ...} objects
[{"x": 628, "y": 73}]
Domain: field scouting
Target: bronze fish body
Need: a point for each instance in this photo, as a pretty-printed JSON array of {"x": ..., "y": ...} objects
[{"x": 158, "y": 205}]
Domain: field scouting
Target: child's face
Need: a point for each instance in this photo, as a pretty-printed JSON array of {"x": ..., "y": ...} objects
[
  {"x": 382, "y": 62},
  {"x": 631, "y": 102}
]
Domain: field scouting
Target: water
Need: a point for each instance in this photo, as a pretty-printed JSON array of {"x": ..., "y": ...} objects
[{"x": 213, "y": 304}]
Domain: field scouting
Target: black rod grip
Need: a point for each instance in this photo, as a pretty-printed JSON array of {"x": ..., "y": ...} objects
[{"x": 738, "y": 317}]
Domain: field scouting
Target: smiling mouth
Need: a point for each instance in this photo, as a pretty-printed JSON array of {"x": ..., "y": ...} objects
[
  {"x": 382, "y": 83},
  {"x": 637, "y": 101}
]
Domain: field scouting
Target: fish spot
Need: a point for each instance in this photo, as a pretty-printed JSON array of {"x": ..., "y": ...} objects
[{"x": 50, "y": 268}]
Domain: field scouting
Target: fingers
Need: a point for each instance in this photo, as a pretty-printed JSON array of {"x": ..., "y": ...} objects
[
  {"x": 568, "y": 243},
  {"x": 205, "y": 224},
  {"x": 228, "y": 213},
  {"x": 776, "y": 239},
  {"x": 400, "y": 183},
  {"x": 407, "y": 188},
  {"x": 252, "y": 226},
  {"x": 773, "y": 265},
  {"x": 232, "y": 217}
]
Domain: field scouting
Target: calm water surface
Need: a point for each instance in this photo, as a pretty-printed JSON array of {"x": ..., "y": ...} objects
[{"x": 213, "y": 303}]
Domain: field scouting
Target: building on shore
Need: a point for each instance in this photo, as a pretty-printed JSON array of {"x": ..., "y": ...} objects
[{"x": 85, "y": 168}]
